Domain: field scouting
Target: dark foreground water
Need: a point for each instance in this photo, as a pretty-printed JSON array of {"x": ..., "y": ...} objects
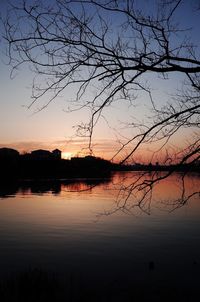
[{"x": 57, "y": 235}]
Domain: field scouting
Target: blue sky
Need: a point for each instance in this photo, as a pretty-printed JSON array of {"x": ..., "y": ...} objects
[{"x": 53, "y": 127}]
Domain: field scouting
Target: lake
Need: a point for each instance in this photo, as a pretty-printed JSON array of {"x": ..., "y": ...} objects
[{"x": 75, "y": 230}]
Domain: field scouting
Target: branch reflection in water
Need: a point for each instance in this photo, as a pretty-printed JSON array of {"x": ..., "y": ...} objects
[
  {"x": 54, "y": 227},
  {"x": 145, "y": 190}
]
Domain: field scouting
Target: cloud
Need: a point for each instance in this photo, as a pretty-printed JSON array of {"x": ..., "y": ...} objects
[
  {"x": 76, "y": 146},
  {"x": 24, "y": 146},
  {"x": 104, "y": 148}
]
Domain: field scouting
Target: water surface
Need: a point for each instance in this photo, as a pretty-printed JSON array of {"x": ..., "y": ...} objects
[{"x": 63, "y": 228}]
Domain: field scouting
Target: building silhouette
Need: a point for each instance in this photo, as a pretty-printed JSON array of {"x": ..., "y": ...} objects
[
  {"x": 45, "y": 155},
  {"x": 8, "y": 154}
]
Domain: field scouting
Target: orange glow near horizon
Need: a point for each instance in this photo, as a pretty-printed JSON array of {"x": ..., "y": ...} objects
[
  {"x": 67, "y": 155},
  {"x": 103, "y": 148},
  {"x": 57, "y": 125}
]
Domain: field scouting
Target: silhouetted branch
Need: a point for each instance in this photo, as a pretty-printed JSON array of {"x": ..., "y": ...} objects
[{"x": 110, "y": 47}]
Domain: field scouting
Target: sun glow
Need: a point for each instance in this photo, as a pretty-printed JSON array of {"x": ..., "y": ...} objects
[{"x": 67, "y": 155}]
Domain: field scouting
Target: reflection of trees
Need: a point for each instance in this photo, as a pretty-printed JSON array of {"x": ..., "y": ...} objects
[
  {"x": 79, "y": 43},
  {"x": 132, "y": 191},
  {"x": 187, "y": 192},
  {"x": 55, "y": 187},
  {"x": 87, "y": 184},
  {"x": 138, "y": 190},
  {"x": 42, "y": 187},
  {"x": 8, "y": 189}
]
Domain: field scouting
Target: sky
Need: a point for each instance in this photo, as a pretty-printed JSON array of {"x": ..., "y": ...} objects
[{"x": 23, "y": 129}]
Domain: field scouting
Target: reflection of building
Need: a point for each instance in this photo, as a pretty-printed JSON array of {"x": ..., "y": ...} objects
[{"x": 44, "y": 154}]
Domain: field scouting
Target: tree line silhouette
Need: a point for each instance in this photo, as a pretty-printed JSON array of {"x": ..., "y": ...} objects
[{"x": 43, "y": 164}]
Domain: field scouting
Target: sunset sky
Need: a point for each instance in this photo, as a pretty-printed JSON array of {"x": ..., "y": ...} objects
[{"x": 23, "y": 129}]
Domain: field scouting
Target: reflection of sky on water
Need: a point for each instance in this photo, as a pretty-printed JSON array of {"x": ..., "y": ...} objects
[{"x": 62, "y": 233}]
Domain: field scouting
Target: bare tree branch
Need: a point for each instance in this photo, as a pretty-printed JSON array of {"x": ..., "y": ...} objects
[{"x": 112, "y": 47}]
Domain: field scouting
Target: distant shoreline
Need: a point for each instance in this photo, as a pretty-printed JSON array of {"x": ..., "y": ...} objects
[{"x": 43, "y": 164}]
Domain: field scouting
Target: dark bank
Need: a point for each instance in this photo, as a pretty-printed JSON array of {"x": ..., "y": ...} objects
[{"x": 43, "y": 164}]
